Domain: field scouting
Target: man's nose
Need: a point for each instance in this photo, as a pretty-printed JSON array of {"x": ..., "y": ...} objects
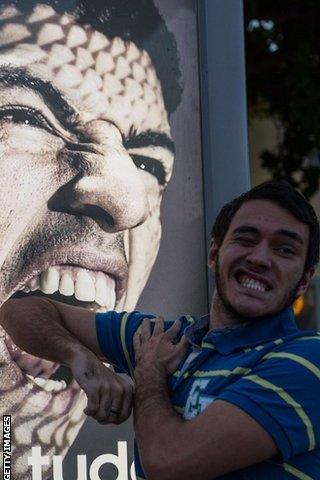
[
  {"x": 107, "y": 188},
  {"x": 259, "y": 256}
]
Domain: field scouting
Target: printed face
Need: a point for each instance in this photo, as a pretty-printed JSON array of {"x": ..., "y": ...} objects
[
  {"x": 261, "y": 260},
  {"x": 85, "y": 155}
]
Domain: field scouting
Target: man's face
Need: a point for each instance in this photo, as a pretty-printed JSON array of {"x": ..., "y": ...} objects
[
  {"x": 85, "y": 155},
  {"x": 261, "y": 260}
]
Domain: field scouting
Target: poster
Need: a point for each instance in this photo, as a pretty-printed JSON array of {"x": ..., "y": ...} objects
[{"x": 99, "y": 104}]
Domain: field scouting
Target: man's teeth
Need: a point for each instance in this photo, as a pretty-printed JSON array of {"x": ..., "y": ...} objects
[
  {"x": 66, "y": 285},
  {"x": 102, "y": 291},
  {"x": 85, "y": 285},
  {"x": 49, "y": 280},
  {"x": 34, "y": 283},
  {"x": 84, "y": 288},
  {"x": 249, "y": 282}
]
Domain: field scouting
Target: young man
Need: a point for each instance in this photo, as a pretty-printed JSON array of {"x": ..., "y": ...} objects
[{"x": 233, "y": 395}]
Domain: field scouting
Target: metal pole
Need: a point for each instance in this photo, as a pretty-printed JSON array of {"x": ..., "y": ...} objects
[{"x": 223, "y": 105}]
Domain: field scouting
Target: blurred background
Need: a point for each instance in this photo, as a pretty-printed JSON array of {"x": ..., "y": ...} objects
[{"x": 282, "y": 49}]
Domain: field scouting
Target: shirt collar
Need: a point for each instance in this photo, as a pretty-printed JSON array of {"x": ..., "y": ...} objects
[{"x": 249, "y": 334}]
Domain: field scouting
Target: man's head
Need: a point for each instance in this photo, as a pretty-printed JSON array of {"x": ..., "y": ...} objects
[
  {"x": 85, "y": 92},
  {"x": 86, "y": 89},
  {"x": 265, "y": 245}
]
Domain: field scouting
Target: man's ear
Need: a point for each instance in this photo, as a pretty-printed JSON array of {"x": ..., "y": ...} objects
[
  {"x": 304, "y": 282},
  {"x": 213, "y": 254}
]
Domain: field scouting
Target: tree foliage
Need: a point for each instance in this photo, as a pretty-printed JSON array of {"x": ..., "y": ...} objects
[{"x": 283, "y": 79}]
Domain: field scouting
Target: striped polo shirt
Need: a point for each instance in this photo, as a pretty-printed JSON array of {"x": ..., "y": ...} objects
[{"x": 268, "y": 368}]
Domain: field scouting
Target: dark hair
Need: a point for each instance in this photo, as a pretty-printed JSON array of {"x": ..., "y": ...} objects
[
  {"x": 282, "y": 193},
  {"x": 135, "y": 20}
]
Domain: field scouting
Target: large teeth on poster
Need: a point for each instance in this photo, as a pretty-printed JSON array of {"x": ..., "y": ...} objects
[
  {"x": 85, "y": 285},
  {"x": 49, "y": 281},
  {"x": 66, "y": 285},
  {"x": 47, "y": 384}
]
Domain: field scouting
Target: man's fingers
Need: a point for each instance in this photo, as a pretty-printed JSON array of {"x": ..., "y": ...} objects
[
  {"x": 173, "y": 331},
  {"x": 126, "y": 404},
  {"x": 103, "y": 413},
  {"x": 111, "y": 403},
  {"x": 158, "y": 326},
  {"x": 105, "y": 390},
  {"x": 136, "y": 342},
  {"x": 145, "y": 332},
  {"x": 93, "y": 403},
  {"x": 183, "y": 344},
  {"x": 116, "y": 402}
]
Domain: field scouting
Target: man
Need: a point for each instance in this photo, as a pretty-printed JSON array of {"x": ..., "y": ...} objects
[
  {"x": 86, "y": 88},
  {"x": 233, "y": 395}
]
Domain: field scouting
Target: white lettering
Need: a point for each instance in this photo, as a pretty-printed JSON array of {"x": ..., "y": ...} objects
[
  {"x": 81, "y": 467},
  {"x": 120, "y": 461},
  {"x": 36, "y": 461}
]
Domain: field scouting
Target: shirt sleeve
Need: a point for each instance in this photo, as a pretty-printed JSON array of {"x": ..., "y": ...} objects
[
  {"x": 282, "y": 394},
  {"x": 115, "y": 333}
]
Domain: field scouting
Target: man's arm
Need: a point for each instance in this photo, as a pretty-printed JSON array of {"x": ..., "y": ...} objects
[
  {"x": 221, "y": 439},
  {"x": 49, "y": 329},
  {"x": 67, "y": 335}
]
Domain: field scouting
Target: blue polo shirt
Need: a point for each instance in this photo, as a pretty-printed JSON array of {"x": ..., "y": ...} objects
[{"x": 268, "y": 368}]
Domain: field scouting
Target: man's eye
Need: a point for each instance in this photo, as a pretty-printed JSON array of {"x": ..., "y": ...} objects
[
  {"x": 245, "y": 241},
  {"x": 24, "y": 116},
  {"x": 286, "y": 250},
  {"x": 150, "y": 165}
]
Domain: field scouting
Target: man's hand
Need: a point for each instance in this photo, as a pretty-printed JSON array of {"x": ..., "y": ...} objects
[
  {"x": 109, "y": 395},
  {"x": 67, "y": 335},
  {"x": 159, "y": 350}
]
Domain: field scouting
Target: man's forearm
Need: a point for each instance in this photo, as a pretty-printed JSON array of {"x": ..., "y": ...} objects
[
  {"x": 66, "y": 335},
  {"x": 157, "y": 425},
  {"x": 150, "y": 390},
  {"x": 36, "y": 328}
]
